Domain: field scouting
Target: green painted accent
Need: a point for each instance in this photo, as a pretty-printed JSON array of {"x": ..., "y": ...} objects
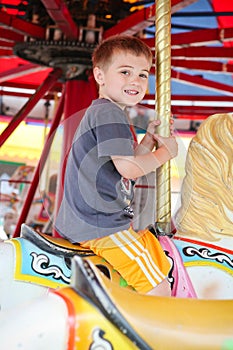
[
  {"x": 228, "y": 344},
  {"x": 11, "y": 163},
  {"x": 123, "y": 282}
]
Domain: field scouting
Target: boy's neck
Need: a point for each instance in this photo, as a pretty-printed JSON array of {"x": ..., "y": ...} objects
[{"x": 107, "y": 98}]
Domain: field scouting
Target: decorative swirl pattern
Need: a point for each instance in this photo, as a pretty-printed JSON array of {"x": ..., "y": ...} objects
[
  {"x": 207, "y": 190},
  {"x": 41, "y": 265}
]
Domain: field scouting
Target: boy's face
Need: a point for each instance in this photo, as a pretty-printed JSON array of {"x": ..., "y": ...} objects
[{"x": 125, "y": 80}]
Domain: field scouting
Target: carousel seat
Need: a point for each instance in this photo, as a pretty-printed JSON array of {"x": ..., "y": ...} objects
[{"x": 53, "y": 245}]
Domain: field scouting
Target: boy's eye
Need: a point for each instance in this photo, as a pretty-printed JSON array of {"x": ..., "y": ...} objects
[
  {"x": 125, "y": 72},
  {"x": 141, "y": 75},
  {"x": 145, "y": 76}
]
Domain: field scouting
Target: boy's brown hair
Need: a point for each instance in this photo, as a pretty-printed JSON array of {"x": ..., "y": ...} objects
[{"x": 103, "y": 53}]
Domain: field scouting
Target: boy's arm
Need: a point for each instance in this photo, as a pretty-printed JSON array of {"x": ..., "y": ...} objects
[
  {"x": 148, "y": 142},
  {"x": 138, "y": 165}
]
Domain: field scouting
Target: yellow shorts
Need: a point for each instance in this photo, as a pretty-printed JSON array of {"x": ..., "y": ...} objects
[{"x": 137, "y": 256}]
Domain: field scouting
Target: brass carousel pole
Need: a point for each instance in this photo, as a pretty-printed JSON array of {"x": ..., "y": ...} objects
[{"x": 163, "y": 108}]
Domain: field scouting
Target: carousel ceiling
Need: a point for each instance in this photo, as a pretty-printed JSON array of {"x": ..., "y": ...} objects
[{"x": 37, "y": 37}]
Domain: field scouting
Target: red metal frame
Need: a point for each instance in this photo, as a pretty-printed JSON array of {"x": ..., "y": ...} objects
[
  {"x": 201, "y": 82},
  {"x": 59, "y": 12},
  {"x": 197, "y": 111},
  {"x": 51, "y": 79},
  {"x": 6, "y": 53},
  {"x": 202, "y": 36},
  {"x": 10, "y": 35},
  {"x": 20, "y": 71},
  {"x": 40, "y": 167},
  {"x": 142, "y": 19},
  {"x": 79, "y": 95},
  {"x": 203, "y": 52},
  {"x": 203, "y": 65},
  {"x": 194, "y": 98},
  {"x": 5, "y": 44},
  {"x": 27, "y": 85},
  {"x": 20, "y": 26},
  {"x": 139, "y": 20},
  {"x": 197, "y": 38}
]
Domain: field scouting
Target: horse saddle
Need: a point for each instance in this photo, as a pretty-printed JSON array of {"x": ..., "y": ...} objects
[
  {"x": 54, "y": 245},
  {"x": 181, "y": 285}
]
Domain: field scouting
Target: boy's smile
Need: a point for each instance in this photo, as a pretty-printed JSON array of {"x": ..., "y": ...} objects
[{"x": 124, "y": 80}]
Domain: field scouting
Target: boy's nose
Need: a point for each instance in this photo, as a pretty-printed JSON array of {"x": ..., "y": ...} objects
[{"x": 135, "y": 79}]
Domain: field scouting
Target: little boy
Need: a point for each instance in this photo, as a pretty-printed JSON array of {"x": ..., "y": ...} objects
[{"x": 103, "y": 162}]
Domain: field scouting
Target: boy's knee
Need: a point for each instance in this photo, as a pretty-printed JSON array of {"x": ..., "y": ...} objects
[{"x": 162, "y": 289}]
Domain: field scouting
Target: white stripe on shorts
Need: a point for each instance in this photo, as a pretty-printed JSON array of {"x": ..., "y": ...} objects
[{"x": 148, "y": 266}]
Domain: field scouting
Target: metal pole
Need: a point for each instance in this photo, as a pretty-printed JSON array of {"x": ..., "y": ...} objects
[{"x": 163, "y": 107}]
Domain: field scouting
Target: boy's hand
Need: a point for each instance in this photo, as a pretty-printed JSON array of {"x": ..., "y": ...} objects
[
  {"x": 151, "y": 129},
  {"x": 151, "y": 139},
  {"x": 168, "y": 144}
]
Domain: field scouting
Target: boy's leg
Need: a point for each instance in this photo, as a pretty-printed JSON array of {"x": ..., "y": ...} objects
[
  {"x": 162, "y": 289},
  {"x": 138, "y": 257}
]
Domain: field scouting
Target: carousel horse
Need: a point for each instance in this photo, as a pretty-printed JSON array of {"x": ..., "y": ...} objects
[
  {"x": 12, "y": 201},
  {"x": 205, "y": 217},
  {"x": 21, "y": 178},
  {"x": 201, "y": 267},
  {"x": 18, "y": 185},
  {"x": 95, "y": 314},
  {"x": 42, "y": 207}
]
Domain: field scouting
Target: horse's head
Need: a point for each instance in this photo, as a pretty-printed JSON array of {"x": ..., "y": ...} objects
[{"x": 207, "y": 190}]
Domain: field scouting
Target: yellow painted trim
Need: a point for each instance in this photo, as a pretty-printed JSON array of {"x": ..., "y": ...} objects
[
  {"x": 28, "y": 278},
  {"x": 209, "y": 263}
]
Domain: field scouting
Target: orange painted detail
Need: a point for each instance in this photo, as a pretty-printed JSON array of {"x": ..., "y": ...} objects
[
  {"x": 71, "y": 317},
  {"x": 88, "y": 326}
]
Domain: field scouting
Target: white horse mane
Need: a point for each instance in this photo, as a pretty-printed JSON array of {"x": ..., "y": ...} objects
[{"x": 207, "y": 190}]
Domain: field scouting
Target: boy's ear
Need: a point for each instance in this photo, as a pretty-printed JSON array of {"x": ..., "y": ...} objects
[{"x": 98, "y": 75}]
